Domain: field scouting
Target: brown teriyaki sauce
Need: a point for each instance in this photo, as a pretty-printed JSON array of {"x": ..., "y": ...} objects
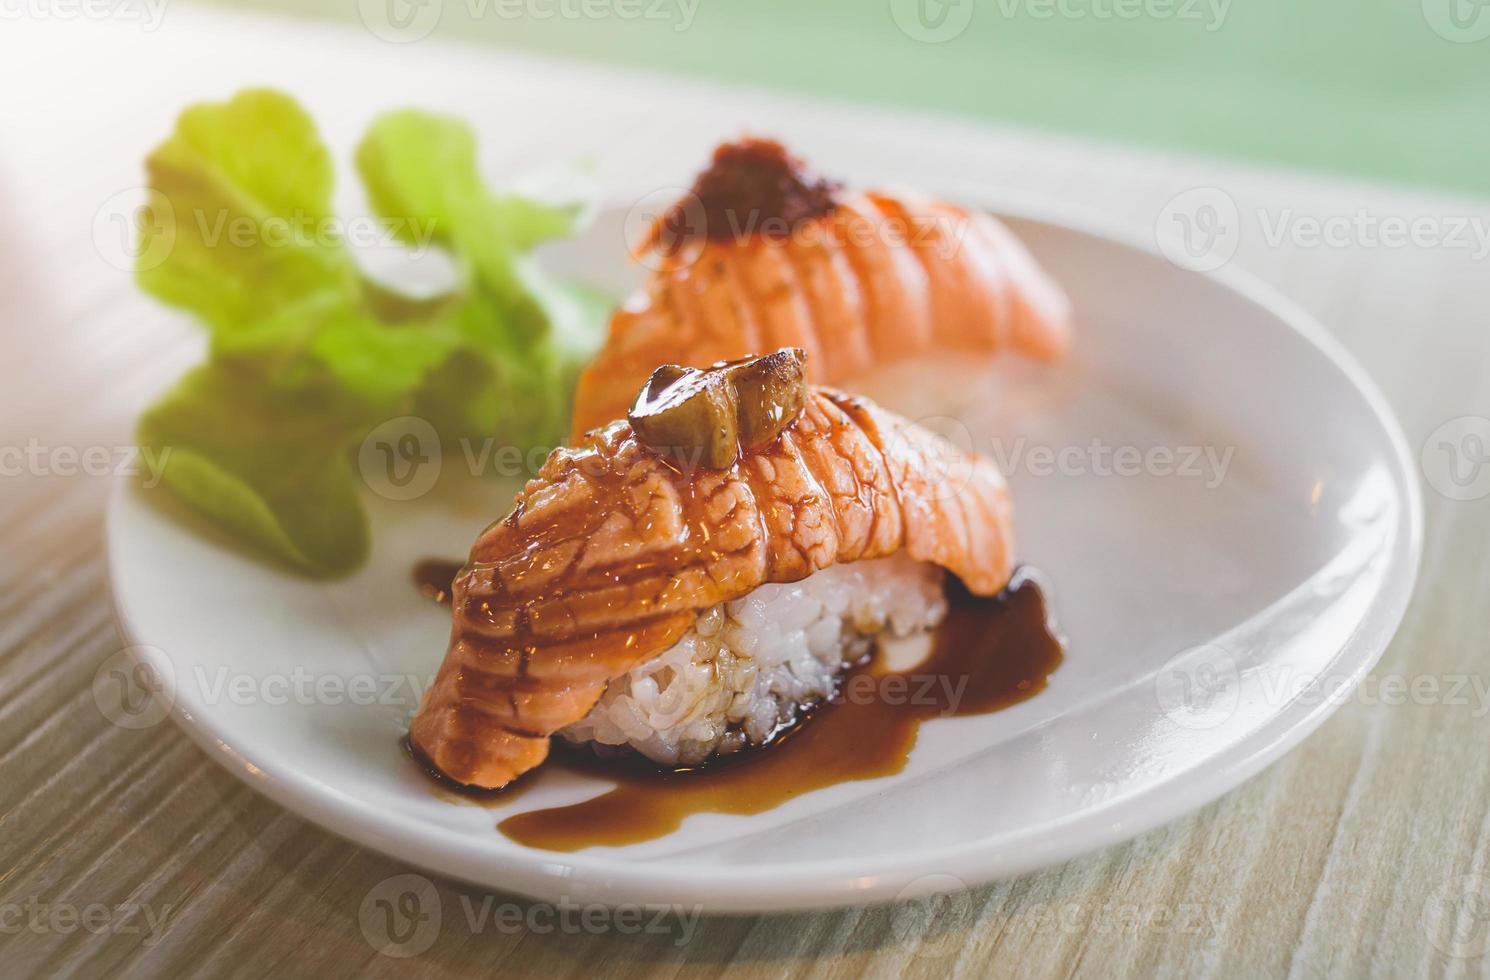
[
  {"x": 987, "y": 654},
  {"x": 434, "y": 577}
]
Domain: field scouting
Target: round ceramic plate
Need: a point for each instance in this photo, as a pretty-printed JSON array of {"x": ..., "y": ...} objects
[{"x": 1219, "y": 499}]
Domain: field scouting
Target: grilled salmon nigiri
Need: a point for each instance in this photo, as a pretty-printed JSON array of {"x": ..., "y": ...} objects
[
  {"x": 687, "y": 580},
  {"x": 760, "y": 255}
]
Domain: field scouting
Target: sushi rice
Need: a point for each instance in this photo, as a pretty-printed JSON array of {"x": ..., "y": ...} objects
[{"x": 748, "y": 667}]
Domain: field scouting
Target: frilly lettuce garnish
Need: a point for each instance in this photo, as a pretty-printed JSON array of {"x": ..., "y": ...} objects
[{"x": 307, "y": 354}]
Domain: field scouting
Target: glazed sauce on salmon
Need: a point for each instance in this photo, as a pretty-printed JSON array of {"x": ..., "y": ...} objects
[{"x": 988, "y": 654}]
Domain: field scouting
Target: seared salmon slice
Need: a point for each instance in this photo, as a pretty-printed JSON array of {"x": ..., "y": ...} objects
[
  {"x": 610, "y": 554},
  {"x": 761, "y": 256}
]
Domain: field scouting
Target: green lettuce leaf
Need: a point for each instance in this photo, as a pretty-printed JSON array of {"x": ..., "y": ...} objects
[
  {"x": 231, "y": 178},
  {"x": 267, "y": 466},
  {"x": 307, "y": 353},
  {"x": 531, "y": 333}
]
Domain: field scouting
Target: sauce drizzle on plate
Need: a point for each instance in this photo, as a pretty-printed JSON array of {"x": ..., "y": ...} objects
[
  {"x": 434, "y": 577},
  {"x": 988, "y": 654}
]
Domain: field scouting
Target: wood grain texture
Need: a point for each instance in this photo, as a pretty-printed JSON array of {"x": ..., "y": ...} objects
[{"x": 1350, "y": 856}]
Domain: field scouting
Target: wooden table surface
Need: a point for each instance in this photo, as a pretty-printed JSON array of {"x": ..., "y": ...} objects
[{"x": 130, "y": 851}]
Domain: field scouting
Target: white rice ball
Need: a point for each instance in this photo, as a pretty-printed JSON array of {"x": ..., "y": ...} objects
[{"x": 748, "y": 667}]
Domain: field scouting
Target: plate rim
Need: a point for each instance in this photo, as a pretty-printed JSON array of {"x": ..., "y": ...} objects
[{"x": 542, "y": 875}]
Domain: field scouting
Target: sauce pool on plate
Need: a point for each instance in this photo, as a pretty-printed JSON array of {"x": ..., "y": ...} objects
[
  {"x": 434, "y": 577},
  {"x": 986, "y": 655}
]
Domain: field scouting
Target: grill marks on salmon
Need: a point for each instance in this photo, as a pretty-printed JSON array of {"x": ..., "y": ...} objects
[
  {"x": 876, "y": 280},
  {"x": 610, "y": 554}
]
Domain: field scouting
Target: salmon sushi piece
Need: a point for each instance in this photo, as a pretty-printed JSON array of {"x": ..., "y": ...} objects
[
  {"x": 878, "y": 289},
  {"x": 685, "y": 581}
]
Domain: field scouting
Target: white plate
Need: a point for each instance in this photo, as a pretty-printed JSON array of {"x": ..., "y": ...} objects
[{"x": 1211, "y": 625}]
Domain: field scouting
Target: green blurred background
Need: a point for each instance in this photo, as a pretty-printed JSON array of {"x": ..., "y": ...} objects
[{"x": 1389, "y": 89}]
